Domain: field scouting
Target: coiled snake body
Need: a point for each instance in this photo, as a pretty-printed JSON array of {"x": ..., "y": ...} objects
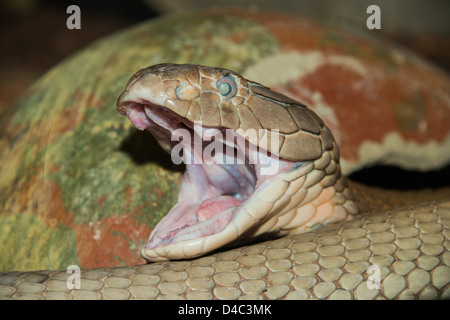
[{"x": 364, "y": 252}]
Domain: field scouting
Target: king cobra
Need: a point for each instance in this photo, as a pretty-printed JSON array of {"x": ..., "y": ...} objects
[{"x": 330, "y": 238}]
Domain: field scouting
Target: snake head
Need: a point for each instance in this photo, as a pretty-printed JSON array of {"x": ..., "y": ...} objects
[{"x": 257, "y": 162}]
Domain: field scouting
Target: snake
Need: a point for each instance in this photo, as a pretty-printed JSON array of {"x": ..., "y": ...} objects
[{"x": 264, "y": 211}]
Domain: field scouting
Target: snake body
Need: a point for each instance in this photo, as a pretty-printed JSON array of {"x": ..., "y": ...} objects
[{"x": 365, "y": 251}]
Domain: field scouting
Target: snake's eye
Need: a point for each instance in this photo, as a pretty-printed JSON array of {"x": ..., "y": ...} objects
[{"x": 227, "y": 87}]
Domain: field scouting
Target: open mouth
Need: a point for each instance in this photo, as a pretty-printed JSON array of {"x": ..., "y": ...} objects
[{"x": 223, "y": 171}]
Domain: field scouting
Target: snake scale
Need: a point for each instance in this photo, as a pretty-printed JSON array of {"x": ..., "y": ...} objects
[{"x": 381, "y": 250}]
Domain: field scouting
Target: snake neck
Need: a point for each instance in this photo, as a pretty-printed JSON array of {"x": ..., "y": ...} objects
[
  {"x": 317, "y": 194},
  {"x": 329, "y": 198}
]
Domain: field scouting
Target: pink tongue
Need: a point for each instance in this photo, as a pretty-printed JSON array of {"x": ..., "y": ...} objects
[
  {"x": 138, "y": 117},
  {"x": 211, "y": 206}
]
